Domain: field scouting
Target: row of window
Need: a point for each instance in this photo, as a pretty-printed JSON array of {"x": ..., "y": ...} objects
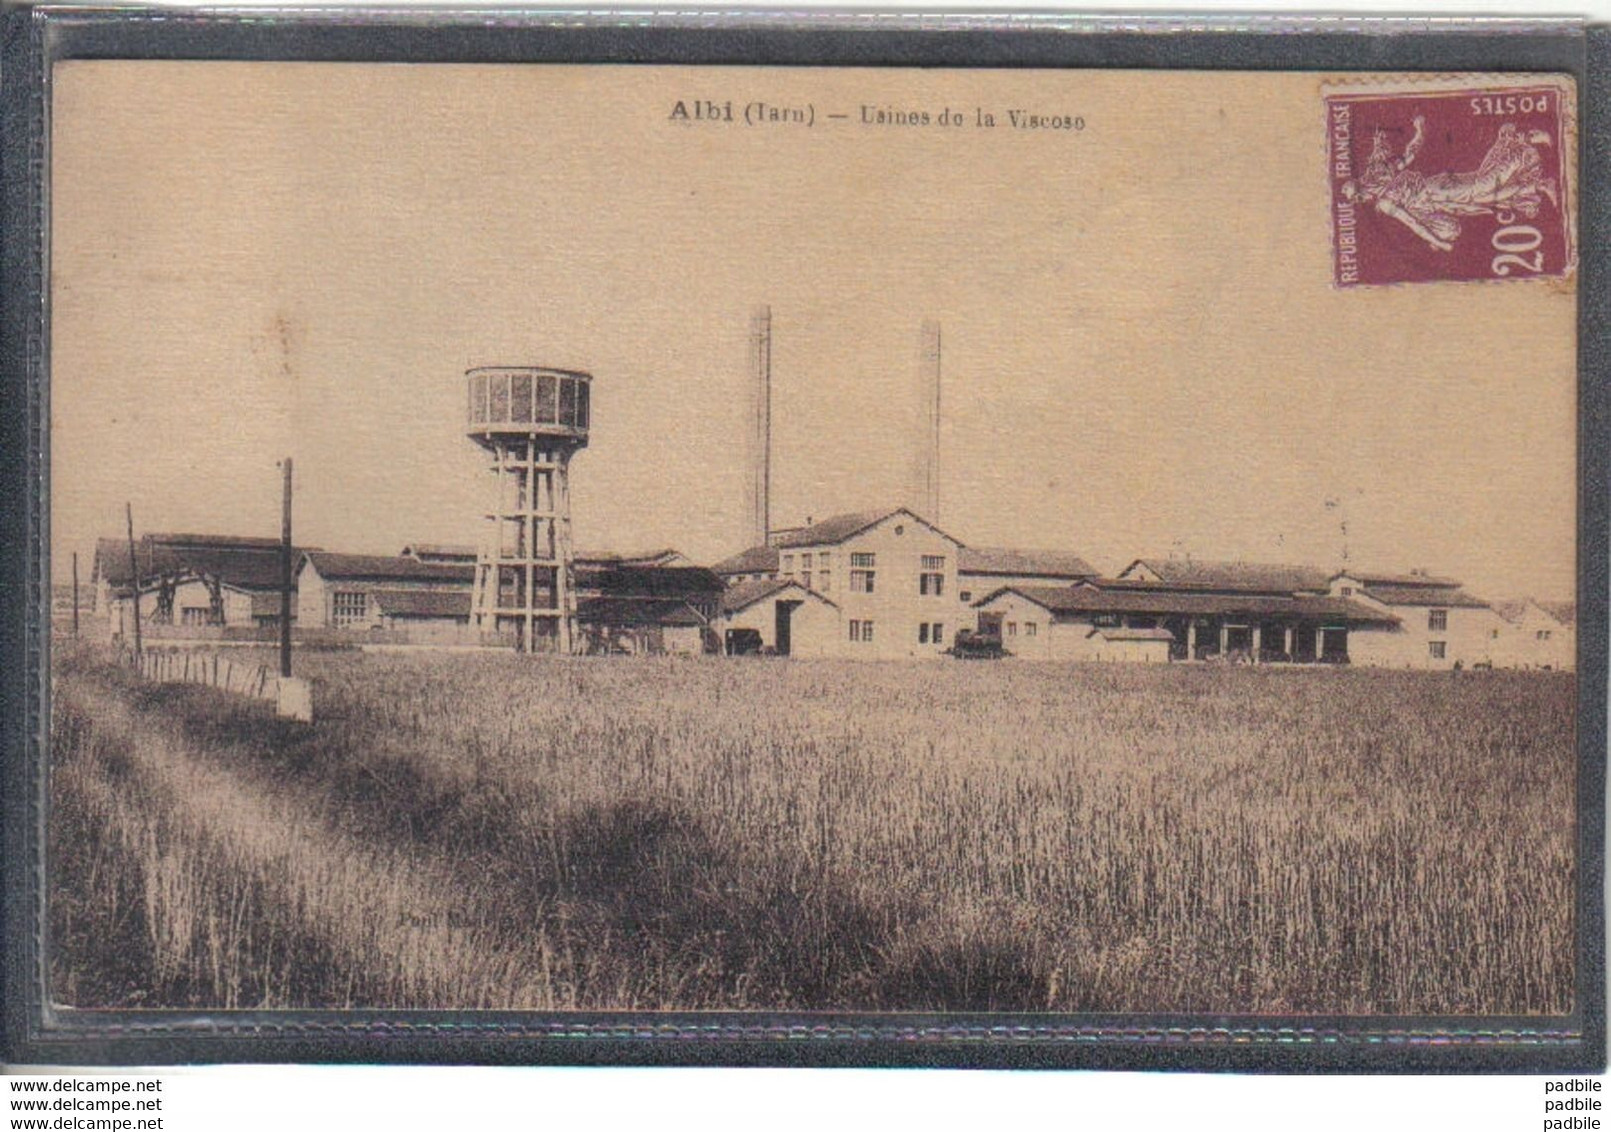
[
  {"x": 349, "y": 609},
  {"x": 1030, "y": 628},
  {"x": 928, "y": 632}
]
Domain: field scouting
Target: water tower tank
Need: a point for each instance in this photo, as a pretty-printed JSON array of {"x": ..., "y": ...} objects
[{"x": 530, "y": 420}]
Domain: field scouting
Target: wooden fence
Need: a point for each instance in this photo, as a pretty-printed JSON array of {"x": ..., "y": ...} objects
[{"x": 289, "y": 696}]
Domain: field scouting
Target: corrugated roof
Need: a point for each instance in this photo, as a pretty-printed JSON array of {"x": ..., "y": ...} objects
[
  {"x": 1069, "y": 600},
  {"x": 637, "y": 611},
  {"x": 377, "y": 567},
  {"x": 1451, "y": 596},
  {"x": 423, "y": 603},
  {"x": 657, "y": 581},
  {"x": 663, "y": 556},
  {"x": 238, "y": 561},
  {"x": 745, "y": 594},
  {"x": 186, "y": 541},
  {"x": 1253, "y": 577},
  {"x": 755, "y": 560},
  {"x": 1024, "y": 563}
]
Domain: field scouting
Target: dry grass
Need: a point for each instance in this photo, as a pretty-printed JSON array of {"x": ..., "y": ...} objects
[{"x": 495, "y": 831}]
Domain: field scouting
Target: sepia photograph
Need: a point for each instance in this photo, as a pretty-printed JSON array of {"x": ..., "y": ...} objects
[{"x": 867, "y": 540}]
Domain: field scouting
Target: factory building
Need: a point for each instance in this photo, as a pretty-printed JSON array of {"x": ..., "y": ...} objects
[
  {"x": 1536, "y": 634},
  {"x": 1253, "y": 612},
  {"x": 891, "y": 575},
  {"x": 190, "y": 585},
  {"x": 777, "y": 616},
  {"x": 1437, "y": 623},
  {"x": 428, "y": 602},
  {"x": 1240, "y": 617},
  {"x": 647, "y": 609}
]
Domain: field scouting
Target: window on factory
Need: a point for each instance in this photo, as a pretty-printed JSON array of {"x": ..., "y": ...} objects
[
  {"x": 937, "y": 633},
  {"x": 1543, "y": 634},
  {"x": 863, "y": 560},
  {"x": 1437, "y": 620},
  {"x": 825, "y": 581},
  {"x": 931, "y": 582},
  {"x": 193, "y": 615},
  {"x": 922, "y": 632},
  {"x": 1029, "y": 628},
  {"x": 1012, "y": 628},
  {"x": 855, "y": 630},
  {"x": 1348, "y": 591},
  {"x": 822, "y": 559},
  {"x": 805, "y": 578},
  {"x": 934, "y": 562},
  {"x": 788, "y": 564},
  {"x": 349, "y": 609},
  {"x": 1438, "y": 649},
  {"x": 966, "y": 595},
  {"x": 861, "y": 581},
  {"x": 866, "y": 632}
]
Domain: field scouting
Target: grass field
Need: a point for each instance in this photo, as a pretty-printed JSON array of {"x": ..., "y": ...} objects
[{"x": 496, "y": 831}]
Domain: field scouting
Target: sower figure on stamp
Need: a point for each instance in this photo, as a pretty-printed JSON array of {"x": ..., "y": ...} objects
[{"x": 1510, "y": 176}]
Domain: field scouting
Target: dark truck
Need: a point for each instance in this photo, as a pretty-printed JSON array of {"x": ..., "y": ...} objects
[{"x": 971, "y": 645}]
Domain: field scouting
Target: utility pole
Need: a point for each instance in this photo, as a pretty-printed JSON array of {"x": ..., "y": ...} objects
[
  {"x": 134, "y": 578},
  {"x": 285, "y": 576},
  {"x": 75, "y": 594}
]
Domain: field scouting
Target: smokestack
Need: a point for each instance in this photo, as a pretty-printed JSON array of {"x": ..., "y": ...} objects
[
  {"x": 929, "y": 365},
  {"x": 761, "y": 469}
]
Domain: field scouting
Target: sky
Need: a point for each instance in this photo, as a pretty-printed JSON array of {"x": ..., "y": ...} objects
[{"x": 1144, "y": 353}]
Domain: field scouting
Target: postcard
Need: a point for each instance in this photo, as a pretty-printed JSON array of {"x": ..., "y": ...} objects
[{"x": 614, "y": 546}]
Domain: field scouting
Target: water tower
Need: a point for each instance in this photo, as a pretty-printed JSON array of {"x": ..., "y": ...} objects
[{"x": 531, "y": 420}]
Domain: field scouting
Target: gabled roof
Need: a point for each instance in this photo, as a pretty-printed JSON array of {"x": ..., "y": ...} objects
[
  {"x": 238, "y": 561},
  {"x": 440, "y": 550},
  {"x": 637, "y": 611},
  {"x": 1024, "y": 563},
  {"x": 755, "y": 560},
  {"x": 747, "y": 593},
  {"x": 1563, "y": 611},
  {"x": 1252, "y": 577},
  {"x": 1451, "y": 596},
  {"x": 1372, "y": 577},
  {"x": 380, "y": 568},
  {"x": 838, "y": 528},
  {"x": 1067, "y": 601},
  {"x": 423, "y": 603}
]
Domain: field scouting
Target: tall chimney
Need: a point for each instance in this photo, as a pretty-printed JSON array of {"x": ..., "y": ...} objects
[
  {"x": 929, "y": 365},
  {"x": 761, "y": 468}
]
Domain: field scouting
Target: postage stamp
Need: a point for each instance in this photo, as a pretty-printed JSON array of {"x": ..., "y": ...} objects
[{"x": 1452, "y": 184}]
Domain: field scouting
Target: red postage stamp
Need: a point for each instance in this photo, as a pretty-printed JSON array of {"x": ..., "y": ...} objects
[{"x": 1434, "y": 184}]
